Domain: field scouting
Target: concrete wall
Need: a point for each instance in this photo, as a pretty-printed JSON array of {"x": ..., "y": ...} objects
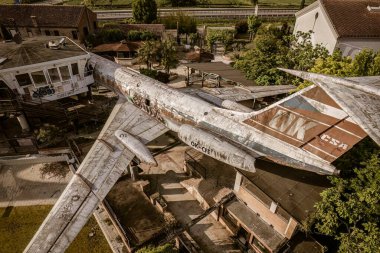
[
  {"x": 285, "y": 227},
  {"x": 323, "y": 32},
  {"x": 352, "y": 46}
]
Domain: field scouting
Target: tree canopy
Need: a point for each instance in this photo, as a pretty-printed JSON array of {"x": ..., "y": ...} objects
[
  {"x": 186, "y": 24},
  {"x": 350, "y": 210},
  {"x": 144, "y": 11},
  {"x": 274, "y": 48}
]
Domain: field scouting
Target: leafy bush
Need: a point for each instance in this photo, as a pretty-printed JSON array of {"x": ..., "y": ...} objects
[
  {"x": 105, "y": 36},
  {"x": 158, "y": 75},
  {"x": 167, "y": 248},
  {"x": 226, "y": 37},
  {"x": 186, "y": 24},
  {"x": 48, "y": 133},
  {"x": 135, "y": 35}
]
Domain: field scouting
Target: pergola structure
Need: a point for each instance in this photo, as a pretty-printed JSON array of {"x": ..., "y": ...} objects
[{"x": 216, "y": 71}]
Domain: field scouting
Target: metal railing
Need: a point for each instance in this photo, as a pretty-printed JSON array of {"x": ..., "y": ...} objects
[{"x": 205, "y": 12}]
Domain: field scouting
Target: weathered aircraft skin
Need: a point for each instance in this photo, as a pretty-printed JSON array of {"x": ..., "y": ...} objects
[
  {"x": 139, "y": 149},
  {"x": 307, "y": 130},
  {"x": 294, "y": 133}
]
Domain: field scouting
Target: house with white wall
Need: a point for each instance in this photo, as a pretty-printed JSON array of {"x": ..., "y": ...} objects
[{"x": 348, "y": 25}]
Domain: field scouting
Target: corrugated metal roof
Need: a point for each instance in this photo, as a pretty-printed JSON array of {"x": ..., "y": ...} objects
[{"x": 34, "y": 50}]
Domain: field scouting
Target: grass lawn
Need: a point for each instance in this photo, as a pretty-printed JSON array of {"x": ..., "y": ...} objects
[{"x": 18, "y": 224}]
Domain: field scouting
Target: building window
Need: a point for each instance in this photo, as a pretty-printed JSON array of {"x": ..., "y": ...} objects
[
  {"x": 23, "y": 79},
  {"x": 74, "y": 34},
  {"x": 38, "y": 78},
  {"x": 74, "y": 69},
  {"x": 85, "y": 31},
  {"x": 54, "y": 75},
  {"x": 47, "y": 32},
  {"x": 65, "y": 74},
  {"x": 56, "y": 33}
]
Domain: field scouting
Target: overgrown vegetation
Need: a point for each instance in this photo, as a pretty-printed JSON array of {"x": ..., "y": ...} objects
[
  {"x": 105, "y": 36},
  {"x": 135, "y": 35},
  {"x": 48, "y": 134},
  {"x": 350, "y": 210},
  {"x": 186, "y": 24},
  {"x": 224, "y": 36},
  {"x": 162, "y": 52},
  {"x": 144, "y": 11},
  {"x": 167, "y": 248},
  {"x": 58, "y": 170},
  {"x": 18, "y": 225}
]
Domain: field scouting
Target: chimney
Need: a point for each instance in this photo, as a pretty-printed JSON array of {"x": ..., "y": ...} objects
[{"x": 34, "y": 21}]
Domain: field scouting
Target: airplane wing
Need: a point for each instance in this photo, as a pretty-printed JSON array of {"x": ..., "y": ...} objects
[{"x": 99, "y": 171}]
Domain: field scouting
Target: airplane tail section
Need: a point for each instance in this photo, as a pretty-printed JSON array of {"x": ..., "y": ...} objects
[{"x": 311, "y": 120}]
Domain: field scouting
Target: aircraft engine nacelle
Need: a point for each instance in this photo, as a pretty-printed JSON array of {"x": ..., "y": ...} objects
[
  {"x": 136, "y": 147},
  {"x": 217, "y": 148}
]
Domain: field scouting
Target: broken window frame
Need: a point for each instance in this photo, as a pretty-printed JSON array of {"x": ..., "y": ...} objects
[
  {"x": 36, "y": 82},
  {"x": 53, "y": 75},
  {"x": 74, "y": 68},
  {"x": 18, "y": 78},
  {"x": 65, "y": 76}
]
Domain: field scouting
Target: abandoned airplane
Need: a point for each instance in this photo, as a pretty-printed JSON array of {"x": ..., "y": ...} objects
[{"x": 307, "y": 130}]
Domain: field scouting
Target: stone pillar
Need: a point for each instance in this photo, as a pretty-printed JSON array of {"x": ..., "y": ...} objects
[
  {"x": 238, "y": 181},
  {"x": 23, "y": 122}
]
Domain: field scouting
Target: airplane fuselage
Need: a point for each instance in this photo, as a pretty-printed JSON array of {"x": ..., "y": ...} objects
[{"x": 174, "y": 108}]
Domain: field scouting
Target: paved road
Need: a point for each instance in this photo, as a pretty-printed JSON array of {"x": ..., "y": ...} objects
[{"x": 203, "y": 13}]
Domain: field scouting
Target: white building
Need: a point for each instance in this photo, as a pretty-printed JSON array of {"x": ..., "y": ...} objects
[
  {"x": 348, "y": 25},
  {"x": 36, "y": 71}
]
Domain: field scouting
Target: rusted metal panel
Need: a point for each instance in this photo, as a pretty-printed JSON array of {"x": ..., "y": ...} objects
[
  {"x": 358, "y": 97},
  {"x": 311, "y": 121}
]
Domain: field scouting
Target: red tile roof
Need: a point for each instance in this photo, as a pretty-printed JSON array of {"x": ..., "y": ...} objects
[
  {"x": 46, "y": 15},
  {"x": 351, "y": 18}
]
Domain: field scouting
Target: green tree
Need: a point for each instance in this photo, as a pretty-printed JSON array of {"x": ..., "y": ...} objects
[
  {"x": 144, "y": 11},
  {"x": 350, "y": 210},
  {"x": 224, "y": 36},
  {"x": 168, "y": 54},
  {"x": 147, "y": 53},
  {"x": 303, "y": 55},
  {"x": 274, "y": 48},
  {"x": 254, "y": 24}
]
